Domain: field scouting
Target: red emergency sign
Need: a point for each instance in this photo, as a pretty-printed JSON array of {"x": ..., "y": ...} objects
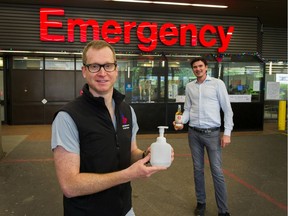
[{"x": 113, "y": 32}]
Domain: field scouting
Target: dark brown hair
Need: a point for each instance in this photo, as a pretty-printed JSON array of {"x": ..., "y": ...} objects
[{"x": 198, "y": 59}]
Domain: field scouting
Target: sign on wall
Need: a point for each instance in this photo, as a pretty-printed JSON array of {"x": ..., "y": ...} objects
[
  {"x": 273, "y": 91},
  {"x": 149, "y": 34}
]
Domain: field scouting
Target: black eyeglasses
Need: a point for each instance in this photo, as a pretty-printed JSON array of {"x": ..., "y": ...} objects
[{"x": 95, "y": 68}]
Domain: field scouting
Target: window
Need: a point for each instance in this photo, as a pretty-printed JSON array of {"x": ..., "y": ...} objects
[
  {"x": 243, "y": 78},
  {"x": 276, "y": 73},
  {"x": 24, "y": 62},
  {"x": 79, "y": 64},
  {"x": 54, "y": 63}
]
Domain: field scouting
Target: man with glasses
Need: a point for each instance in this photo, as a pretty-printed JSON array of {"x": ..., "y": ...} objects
[{"x": 94, "y": 142}]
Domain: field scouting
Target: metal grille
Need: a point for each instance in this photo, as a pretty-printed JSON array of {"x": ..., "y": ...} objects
[
  {"x": 275, "y": 44},
  {"x": 20, "y": 29}
]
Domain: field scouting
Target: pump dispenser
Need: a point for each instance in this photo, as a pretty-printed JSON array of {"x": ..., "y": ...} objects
[{"x": 161, "y": 150}]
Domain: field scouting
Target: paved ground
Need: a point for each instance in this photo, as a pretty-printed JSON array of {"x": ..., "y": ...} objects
[{"x": 255, "y": 167}]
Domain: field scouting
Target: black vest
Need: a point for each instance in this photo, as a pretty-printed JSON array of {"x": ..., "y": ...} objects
[{"x": 102, "y": 150}]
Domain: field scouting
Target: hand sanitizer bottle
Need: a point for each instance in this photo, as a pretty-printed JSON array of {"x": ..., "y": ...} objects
[{"x": 161, "y": 150}]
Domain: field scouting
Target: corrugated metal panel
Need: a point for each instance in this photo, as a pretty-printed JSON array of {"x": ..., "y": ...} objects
[
  {"x": 260, "y": 38},
  {"x": 20, "y": 29},
  {"x": 275, "y": 44}
]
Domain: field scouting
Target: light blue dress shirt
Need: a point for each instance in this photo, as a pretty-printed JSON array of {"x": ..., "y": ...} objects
[{"x": 203, "y": 103}]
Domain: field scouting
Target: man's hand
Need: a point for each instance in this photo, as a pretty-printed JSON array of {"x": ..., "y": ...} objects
[
  {"x": 225, "y": 141},
  {"x": 178, "y": 126},
  {"x": 139, "y": 169}
]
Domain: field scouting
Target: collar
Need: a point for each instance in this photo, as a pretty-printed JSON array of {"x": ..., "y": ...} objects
[
  {"x": 208, "y": 78},
  {"x": 117, "y": 96}
]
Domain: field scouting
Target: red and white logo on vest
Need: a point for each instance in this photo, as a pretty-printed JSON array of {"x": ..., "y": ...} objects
[{"x": 124, "y": 122}]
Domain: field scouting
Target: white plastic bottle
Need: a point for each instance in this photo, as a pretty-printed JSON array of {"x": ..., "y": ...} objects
[{"x": 161, "y": 150}]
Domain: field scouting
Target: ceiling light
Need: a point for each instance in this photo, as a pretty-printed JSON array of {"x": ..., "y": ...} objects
[
  {"x": 131, "y": 1},
  {"x": 171, "y": 3},
  {"x": 208, "y": 5},
  {"x": 270, "y": 68}
]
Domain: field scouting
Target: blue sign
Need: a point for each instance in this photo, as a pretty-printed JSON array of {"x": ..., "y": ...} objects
[{"x": 128, "y": 87}]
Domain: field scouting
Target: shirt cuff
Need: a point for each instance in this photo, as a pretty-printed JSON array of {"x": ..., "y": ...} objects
[
  {"x": 185, "y": 117},
  {"x": 227, "y": 132}
]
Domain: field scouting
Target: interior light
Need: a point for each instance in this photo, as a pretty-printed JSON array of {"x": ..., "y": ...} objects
[
  {"x": 128, "y": 72},
  {"x": 270, "y": 68}
]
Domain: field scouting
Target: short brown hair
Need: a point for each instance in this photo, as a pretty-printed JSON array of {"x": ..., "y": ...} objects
[
  {"x": 97, "y": 44},
  {"x": 198, "y": 59}
]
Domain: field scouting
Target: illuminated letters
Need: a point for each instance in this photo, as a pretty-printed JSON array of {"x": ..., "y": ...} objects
[
  {"x": 152, "y": 39},
  {"x": 45, "y": 24},
  {"x": 83, "y": 29},
  {"x": 146, "y": 32}
]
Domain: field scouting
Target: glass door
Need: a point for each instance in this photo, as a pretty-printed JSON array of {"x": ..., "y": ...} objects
[
  {"x": 142, "y": 79},
  {"x": 2, "y": 91}
]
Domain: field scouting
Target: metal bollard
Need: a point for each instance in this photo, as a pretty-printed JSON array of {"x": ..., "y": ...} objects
[
  {"x": 1, "y": 148},
  {"x": 282, "y": 115}
]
